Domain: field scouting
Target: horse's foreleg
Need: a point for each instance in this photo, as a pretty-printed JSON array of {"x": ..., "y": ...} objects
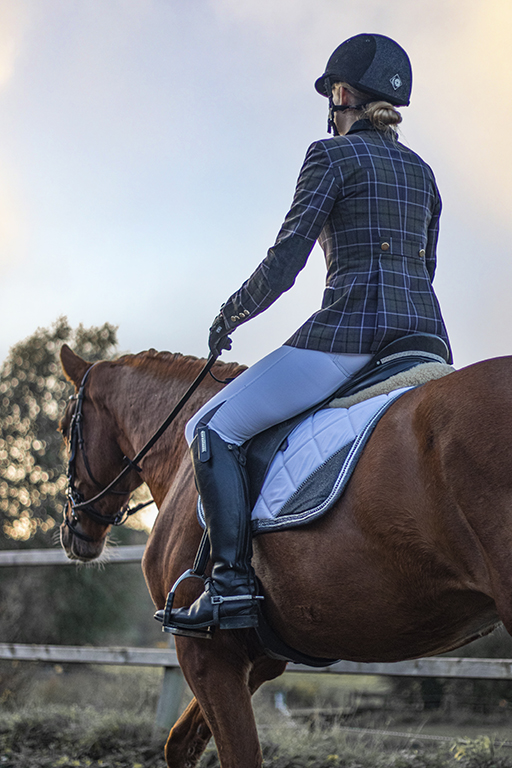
[
  {"x": 188, "y": 738},
  {"x": 191, "y": 734},
  {"x": 223, "y": 677}
]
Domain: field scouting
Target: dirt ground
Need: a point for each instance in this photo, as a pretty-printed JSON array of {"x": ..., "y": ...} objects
[{"x": 76, "y": 717}]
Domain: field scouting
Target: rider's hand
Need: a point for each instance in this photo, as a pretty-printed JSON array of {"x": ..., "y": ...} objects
[{"x": 219, "y": 339}]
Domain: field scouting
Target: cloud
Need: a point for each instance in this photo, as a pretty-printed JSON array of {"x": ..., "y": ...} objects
[
  {"x": 13, "y": 237},
  {"x": 14, "y": 18},
  {"x": 464, "y": 95},
  {"x": 316, "y": 28},
  {"x": 14, "y": 22}
]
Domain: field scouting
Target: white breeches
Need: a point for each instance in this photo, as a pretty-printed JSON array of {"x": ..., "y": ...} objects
[{"x": 284, "y": 383}]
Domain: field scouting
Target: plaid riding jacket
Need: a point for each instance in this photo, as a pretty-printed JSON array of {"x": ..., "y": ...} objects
[{"x": 374, "y": 207}]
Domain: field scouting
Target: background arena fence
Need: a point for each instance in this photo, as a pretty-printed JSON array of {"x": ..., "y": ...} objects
[{"x": 173, "y": 682}]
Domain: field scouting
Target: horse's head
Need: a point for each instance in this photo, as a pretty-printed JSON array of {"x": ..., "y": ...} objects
[{"x": 94, "y": 460}]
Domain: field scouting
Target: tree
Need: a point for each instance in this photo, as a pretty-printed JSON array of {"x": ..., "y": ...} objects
[
  {"x": 55, "y": 604},
  {"x": 33, "y": 393}
]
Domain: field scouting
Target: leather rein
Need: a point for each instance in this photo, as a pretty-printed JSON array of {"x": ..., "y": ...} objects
[{"x": 76, "y": 439}]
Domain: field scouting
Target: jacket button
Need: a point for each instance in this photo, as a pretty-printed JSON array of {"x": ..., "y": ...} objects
[
  {"x": 246, "y": 312},
  {"x": 421, "y": 253},
  {"x": 384, "y": 247},
  {"x": 234, "y": 318}
]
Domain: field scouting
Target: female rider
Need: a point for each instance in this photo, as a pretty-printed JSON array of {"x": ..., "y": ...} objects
[{"x": 374, "y": 207}]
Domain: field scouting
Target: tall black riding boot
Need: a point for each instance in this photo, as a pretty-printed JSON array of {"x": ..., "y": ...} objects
[{"x": 229, "y": 599}]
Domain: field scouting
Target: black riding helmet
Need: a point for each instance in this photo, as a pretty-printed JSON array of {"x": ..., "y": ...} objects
[{"x": 373, "y": 64}]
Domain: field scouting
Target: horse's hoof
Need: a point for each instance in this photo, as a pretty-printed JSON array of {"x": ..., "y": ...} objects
[{"x": 203, "y": 634}]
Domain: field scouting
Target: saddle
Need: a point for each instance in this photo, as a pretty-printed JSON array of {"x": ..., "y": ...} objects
[{"x": 399, "y": 356}]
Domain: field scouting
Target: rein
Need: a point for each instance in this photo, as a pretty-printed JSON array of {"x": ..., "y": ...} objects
[{"x": 76, "y": 499}]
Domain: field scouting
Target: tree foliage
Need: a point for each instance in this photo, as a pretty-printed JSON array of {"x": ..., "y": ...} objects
[
  {"x": 33, "y": 393},
  {"x": 55, "y": 604}
]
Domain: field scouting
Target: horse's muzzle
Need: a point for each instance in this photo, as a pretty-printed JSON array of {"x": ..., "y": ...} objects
[{"x": 76, "y": 549}]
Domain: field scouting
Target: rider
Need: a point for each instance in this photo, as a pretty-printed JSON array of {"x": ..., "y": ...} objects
[{"x": 374, "y": 207}]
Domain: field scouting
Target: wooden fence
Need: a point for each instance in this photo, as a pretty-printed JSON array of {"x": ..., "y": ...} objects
[
  {"x": 172, "y": 688},
  {"x": 18, "y": 557}
]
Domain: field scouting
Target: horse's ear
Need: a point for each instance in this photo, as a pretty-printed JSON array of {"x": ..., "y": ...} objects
[{"x": 73, "y": 365}]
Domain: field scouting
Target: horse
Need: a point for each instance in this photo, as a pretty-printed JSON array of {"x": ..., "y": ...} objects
[{"x": 415, "y": 559}]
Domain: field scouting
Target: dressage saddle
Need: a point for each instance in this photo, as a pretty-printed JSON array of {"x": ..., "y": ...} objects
[{"x": 401, "y": 355}]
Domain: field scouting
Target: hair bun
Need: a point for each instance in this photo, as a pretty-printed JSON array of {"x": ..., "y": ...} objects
[{"x": 382, "y": 115}]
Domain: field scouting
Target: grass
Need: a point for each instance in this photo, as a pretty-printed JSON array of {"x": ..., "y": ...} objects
[
  {"x": 76, "y": 737},
  {"x": 102, "y": 717},
  {"x": 60, "y": 737}
]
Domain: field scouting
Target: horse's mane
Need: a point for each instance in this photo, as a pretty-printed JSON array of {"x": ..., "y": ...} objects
[{"x": 165, "y": 364}]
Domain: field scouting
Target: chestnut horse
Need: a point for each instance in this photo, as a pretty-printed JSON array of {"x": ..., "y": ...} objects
[{"x": 415, "y": 559}]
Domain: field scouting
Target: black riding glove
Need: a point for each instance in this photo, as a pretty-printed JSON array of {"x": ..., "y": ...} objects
[{"x": 219, "y": 339}]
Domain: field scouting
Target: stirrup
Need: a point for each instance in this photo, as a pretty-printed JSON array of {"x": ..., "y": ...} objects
[
  {"x": 201, "y": 634},
  {"x": 205, "y": 634}
]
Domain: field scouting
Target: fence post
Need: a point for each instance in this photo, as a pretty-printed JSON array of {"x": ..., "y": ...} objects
[{"x": 168, "y": 708}]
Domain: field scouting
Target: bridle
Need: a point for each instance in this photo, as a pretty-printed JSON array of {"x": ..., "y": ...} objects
[
  {"x": 76, "y": 443},
  {"x": 75, "y": 497}
]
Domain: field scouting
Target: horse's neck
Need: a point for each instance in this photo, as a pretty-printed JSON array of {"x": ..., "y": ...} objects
[{"x": 139, "y": 402}]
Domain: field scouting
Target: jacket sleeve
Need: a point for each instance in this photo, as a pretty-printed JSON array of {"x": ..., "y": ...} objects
[
  {"x": 433, "y": 234},
  {"x": 315, "y": 194}
]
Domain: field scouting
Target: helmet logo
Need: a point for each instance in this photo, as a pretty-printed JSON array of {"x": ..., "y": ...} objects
[{"x": 396, "y": 82}]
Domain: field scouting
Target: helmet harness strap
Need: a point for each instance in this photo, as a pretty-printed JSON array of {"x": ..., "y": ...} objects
[{"x": 333, "y": 108}]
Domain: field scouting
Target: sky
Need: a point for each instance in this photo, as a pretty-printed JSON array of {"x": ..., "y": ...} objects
[{"x": 149, "y": 151}]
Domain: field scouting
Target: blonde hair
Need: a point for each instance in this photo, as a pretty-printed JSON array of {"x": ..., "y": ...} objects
[{"x": 382, "y": 115}]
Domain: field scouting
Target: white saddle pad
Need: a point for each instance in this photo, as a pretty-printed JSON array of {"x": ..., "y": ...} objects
[
  {"x": 312, "y": 469},
  {"x": 310, "y": 446}
]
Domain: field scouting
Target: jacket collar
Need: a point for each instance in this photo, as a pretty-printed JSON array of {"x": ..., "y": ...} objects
[
  {"x": 360, "y": 125},
  {"x": 365, "y": 125}
]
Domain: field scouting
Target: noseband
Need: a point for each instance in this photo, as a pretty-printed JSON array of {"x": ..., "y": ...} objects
[{"x": 76, "y": 441}]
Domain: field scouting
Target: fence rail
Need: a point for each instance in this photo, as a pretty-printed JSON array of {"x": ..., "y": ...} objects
[
  {"x": 128, "y": 554},
  {"x": 497, "y": 669},
  {"x": 79, "y": 654}
]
